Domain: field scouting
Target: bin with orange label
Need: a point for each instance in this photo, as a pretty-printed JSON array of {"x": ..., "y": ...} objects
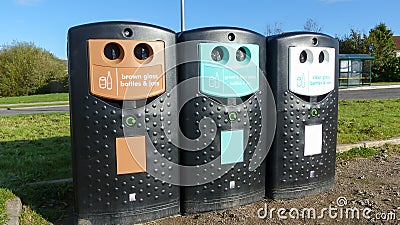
[{"x": 121, "y": 76}]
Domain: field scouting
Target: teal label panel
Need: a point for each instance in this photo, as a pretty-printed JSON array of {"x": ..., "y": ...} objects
[
  {"x": 232, "y": 146},
  {"x": 229, "y": 76}
]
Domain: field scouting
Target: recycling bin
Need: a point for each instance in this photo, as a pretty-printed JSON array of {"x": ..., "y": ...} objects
[
  {"x": 120, "y": 76},
  {"x": 221, "y": 103},
  {"x": 302, "y": 70}
]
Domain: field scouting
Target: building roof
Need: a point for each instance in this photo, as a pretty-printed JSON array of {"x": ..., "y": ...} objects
[{"x": 397, "y": 41}]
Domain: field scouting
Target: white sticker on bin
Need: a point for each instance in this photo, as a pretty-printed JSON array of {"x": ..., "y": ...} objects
[
  {"x": 313, "y": 140},
  {"x": 311, "y": 70}
]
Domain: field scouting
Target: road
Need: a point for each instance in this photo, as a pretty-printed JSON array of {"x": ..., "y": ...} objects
[
  {"x": 368, "y": 92},
  {"x": 374, "y": 92},
  {"x": 33, "y": 110}
]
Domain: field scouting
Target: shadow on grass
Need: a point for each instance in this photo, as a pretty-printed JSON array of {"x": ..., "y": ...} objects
[{"x": 25, "y": 163}]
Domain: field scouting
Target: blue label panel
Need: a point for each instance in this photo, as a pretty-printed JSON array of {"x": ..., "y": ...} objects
[
  {"x": 229, "y": 77},
  {"x": 232, "y": 146}
]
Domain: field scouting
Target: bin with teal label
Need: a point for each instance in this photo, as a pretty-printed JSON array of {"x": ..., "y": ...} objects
[{"x": 221, "y": 72}]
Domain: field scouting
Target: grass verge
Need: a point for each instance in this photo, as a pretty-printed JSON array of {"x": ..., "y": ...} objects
[
  {"x": 56, "y": 97},
  {"x": 368, "y": 152},
  {"x": 4, "y": 196},
  {"x": 30, "y": 217},
  {"x": 368, "y": 120},
  {"x": 36, "y": 148},
  {"x": 384, "y": 83}
]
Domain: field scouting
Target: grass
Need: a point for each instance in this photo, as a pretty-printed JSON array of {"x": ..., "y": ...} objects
[
  {"x": 30, "y": 217},
  {"x": 56, "y": 97},
  {"x": 4, "y": 196},
  {"x": 362, "y": 120},
  {"x": 37, "y": 148},
  {"x": 384, "y": 83},
  {"x": 368, "y": 152}
]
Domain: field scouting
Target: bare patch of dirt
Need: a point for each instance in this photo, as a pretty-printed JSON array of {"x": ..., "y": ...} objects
[{"x": 369, "y": 185}]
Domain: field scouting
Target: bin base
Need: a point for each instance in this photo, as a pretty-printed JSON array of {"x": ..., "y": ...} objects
[
  {"x": 130, "y": 217},
  {"x": 301, "y": 191},
  {"x": 192, "y": 207}
]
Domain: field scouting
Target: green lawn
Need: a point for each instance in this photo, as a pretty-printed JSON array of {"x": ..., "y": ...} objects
[
  {"x": 37, "y": 148},
  {"x": 362, "y": 120},
  {"x": 384, "y": 83},
  {"x": 4, "y": 196},
  {"x": 56, "y": 97}
]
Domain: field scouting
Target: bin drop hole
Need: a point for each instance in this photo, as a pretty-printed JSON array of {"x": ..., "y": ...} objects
[
  {"x": 112, "y": 51},
  {"x": 321, "y": 57},
  {"x": 142, "y": 51},
  {"x": 217, "y": 54},
  {"x": 303, "y": 57},
  {"x": 241, "y": 54}
]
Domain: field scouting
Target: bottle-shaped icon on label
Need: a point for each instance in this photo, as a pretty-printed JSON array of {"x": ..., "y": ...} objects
[
  {"x": 301, "y": 82},
  {"x": 109, "y": 81},
  {"x": 214, "y": 81}
]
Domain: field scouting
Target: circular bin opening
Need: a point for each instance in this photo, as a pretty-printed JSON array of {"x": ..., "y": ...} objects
[
  {"x": 113, "y": 52},
  {"x": 323, "y": 57},
  {"x": 143, "y": 52},
  {"x": 306, "y": 56},
  {"x": 220, "y": 54},
  {"x": 243, "y": 55}
]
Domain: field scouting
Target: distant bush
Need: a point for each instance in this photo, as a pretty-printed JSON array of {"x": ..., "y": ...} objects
[{"x": 26, "y": 69}]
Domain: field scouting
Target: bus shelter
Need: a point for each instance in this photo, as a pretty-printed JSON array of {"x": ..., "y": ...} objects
[{"x": 355, "y": 69}]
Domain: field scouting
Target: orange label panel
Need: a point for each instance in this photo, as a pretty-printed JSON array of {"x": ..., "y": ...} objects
[
  {"x": 126, "y": 77},
  {"x": 127, "y": 83},
  {"x": 131, "y": 155}
]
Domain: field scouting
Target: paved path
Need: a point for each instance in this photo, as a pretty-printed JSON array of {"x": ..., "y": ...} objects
[
  {"x": 33, "y": 104},
  {"x": 33, "y": 110},
  {"x": 370, "y": 92}
]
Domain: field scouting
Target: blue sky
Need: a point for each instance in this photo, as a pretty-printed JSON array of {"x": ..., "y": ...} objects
[{"x": 46, "y": 22}]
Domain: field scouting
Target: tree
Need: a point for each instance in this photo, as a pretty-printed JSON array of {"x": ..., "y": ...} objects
[
  {"x": 384, "y": 47},
  {"x": 353, "y": 43},
  {"x": 273, "y": 30},
  {"x": 313, "y": 26},
  {"x": 26, "y": 69}
]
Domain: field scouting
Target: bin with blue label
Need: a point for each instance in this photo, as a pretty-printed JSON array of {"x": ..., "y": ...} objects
[
  {"x": 302, "y": 70},
  {"x": 121, "y": 76},
  {"x": 221, "y": 101}
]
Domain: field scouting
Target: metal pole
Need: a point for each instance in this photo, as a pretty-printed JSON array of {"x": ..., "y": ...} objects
[{"x": 182, "y": 15}]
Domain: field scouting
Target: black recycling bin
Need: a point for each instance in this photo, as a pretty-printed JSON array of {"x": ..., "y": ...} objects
[
  {"x": 222, "y": 100},
  {"x": 302, "y": 70},
  {"x": 121, "y": 74}
]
